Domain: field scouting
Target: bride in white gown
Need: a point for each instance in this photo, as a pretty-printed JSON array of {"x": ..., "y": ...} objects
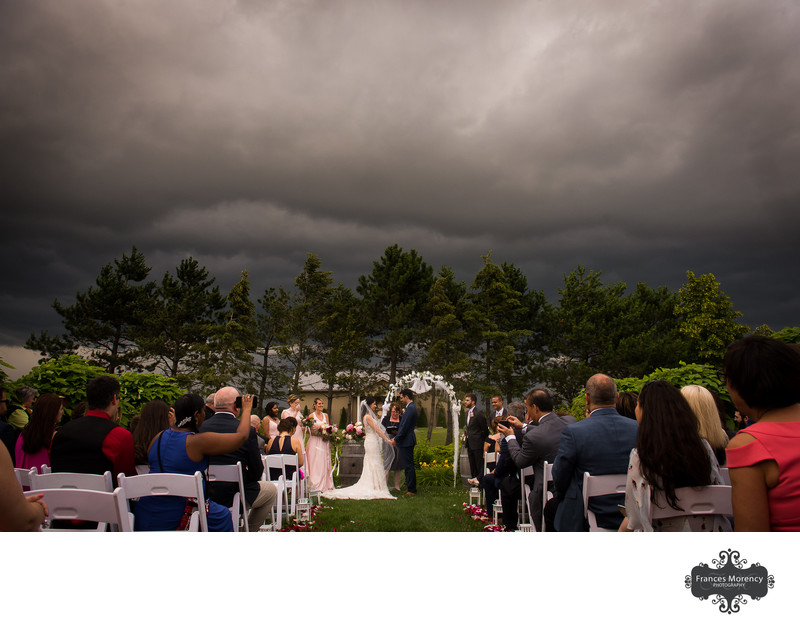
[{"x": 378, "y": 455}]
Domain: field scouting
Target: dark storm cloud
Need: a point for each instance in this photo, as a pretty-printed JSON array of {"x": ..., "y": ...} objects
[{"x": 640, "y": 139}]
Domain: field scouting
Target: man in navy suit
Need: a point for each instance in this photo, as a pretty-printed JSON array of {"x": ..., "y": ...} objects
[
  {"x": 600, "y": 445},
  {"x": 406, "y": 439}
]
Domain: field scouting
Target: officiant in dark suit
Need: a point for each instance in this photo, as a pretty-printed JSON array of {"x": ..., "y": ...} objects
[
  {"x": 406, "y": 439},
  {"x": 476, "y": 432}
]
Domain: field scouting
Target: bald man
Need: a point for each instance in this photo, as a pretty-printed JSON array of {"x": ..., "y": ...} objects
[
  {"x": 260, "y": 495},
  {"x": 600, "y": 445}
]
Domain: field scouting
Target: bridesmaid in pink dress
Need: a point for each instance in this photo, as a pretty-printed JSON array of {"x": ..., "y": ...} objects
[
  {"x": 294, "y": 412},
  {"x": 318, "y": 453}
]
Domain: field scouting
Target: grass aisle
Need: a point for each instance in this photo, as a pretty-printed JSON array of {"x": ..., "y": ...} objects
[{"x": 434, "y": 509}]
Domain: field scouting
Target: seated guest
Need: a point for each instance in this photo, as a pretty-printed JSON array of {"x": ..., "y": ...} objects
[
  {"x": 8, "y": 434},
  {"x": 181, "y": 450},
  {"x": 94, "y": 443},
  {"x": 539, "y": 444},
  {"x": 285, "y": 444},
  {"x": 19, "y": 415},
  {"x": 626, "y": 404},
  {"x": 600, "y": 445},
  {"x": 260, "y": 495},
  {"x": 487, "y": 481},
  {"x": 708, "y": 421},
  {"x": 669, "y": 454},
  {"x": 153, "y": 419},
  {"x": 762, "y": 376},
  {"x": 18, "y": 513},
  {"x": 33, "y": 444}
]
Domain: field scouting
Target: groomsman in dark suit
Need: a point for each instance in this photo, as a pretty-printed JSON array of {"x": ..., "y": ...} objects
[
  {"x": 497, "y": 405},
  {"x": 405, "y": 439},
  {"x": 477, "y": 430}
]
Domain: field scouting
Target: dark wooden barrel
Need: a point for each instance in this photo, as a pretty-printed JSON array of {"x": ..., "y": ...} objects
[{"x": 351, "y": 462}]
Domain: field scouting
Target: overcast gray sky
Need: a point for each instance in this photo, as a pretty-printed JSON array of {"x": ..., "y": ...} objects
[{"x": 640, "y": 139}]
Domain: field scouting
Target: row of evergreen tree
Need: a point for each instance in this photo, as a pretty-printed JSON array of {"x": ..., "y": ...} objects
[{"x": 494, "y": 335}]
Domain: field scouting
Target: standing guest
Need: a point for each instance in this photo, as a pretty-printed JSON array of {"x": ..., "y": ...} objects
[
  {"x": 475, "y": 434},
  {"x": 294, "y": 412},
  {"x": 285, "y": 444},
  {"x": 260, "y": 495},
  {"x": 626, "y": 404},
  {"x": 762, "y": 376},
  {"x": 406, "y": 438},
  {"x": 601, "y": 444},
  {"x": 94, "y": 443},
  {"x": 497, "y": 405},
  {"x": 392, "y": 423},
  {"x": 708, "y": 422},
  {"x": 33, "y": 444},
  {"x": 18, "y": 513},
  {"x": 179, "y": 449},
  {"x": 669, "y": 454},
  {"x": 269, "y": 423},
  {"x": 318, "y": 452},
  {"x": 19, "y": 416},
  {"x": 153, "y": 419}
]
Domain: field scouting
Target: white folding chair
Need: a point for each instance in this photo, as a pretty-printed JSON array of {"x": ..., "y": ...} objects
[
  {"x": 24, "y": 477},
  {"x": 232, "y": 473},
  {"x": 79, "y": 481},
  {"x": 84, "y": 481},
  {"x": 276, "y": 461},
  {"x": 294, "y": 484},
  {"x": 695, "y": 501},
  {"x": 525, "y": 482},
  {"x": 168, "y": 485},
  {"x": 547, "y": 469},
  {"x": 598, "y": 485},
  {"x": 726, "y": 476},
  {"x": 86, "y": 505}
]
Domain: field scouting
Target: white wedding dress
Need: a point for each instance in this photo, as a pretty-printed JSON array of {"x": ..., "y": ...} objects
[{"x": 372, "y": 483}]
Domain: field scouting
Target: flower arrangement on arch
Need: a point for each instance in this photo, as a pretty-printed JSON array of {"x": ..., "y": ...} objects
[{"x": 354, "y": 432}]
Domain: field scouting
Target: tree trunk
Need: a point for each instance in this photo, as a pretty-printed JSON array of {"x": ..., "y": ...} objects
[
  {"x": 432, "y": 415},
  {"x": 449, "y": 415}
]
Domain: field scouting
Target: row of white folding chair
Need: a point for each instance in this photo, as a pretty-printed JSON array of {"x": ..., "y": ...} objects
[
  {"x": 232, "y": 473},
  {"x": 169, "y": 485},
  {"x": 285, "y": 485},
  {"x": 598, "y": 485},
  {"x": 24, "y": 475},
  {"x": 86, "y": 505}
]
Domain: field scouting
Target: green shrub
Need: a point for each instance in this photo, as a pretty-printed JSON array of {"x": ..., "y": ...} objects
[
  {"x": 422, "y": 418},
  {"x": 684, "y": 374}
]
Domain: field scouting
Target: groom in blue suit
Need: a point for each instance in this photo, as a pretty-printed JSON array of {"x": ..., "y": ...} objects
[{"x": 406, "y": 439}]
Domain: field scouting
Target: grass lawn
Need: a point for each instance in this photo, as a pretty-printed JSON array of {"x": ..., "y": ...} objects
[{"x": 433, "y": 509}]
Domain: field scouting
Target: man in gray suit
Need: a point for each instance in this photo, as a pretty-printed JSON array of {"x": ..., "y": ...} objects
[
  {"x": 539, "y": 443},
  {"x": 600, "y": 445}
]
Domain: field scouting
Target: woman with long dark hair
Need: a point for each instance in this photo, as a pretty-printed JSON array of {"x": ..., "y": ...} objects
[
  {"x": 763, "y": 378},
  {"x": 33, "y": 444},
  {"x": 153, "y": 419},
  {"x": 669, "y": 454},
  {"x": 269, "y": 423}
]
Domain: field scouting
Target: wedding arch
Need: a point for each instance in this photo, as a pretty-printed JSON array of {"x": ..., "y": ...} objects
[{"x": 421, "y": 383}]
